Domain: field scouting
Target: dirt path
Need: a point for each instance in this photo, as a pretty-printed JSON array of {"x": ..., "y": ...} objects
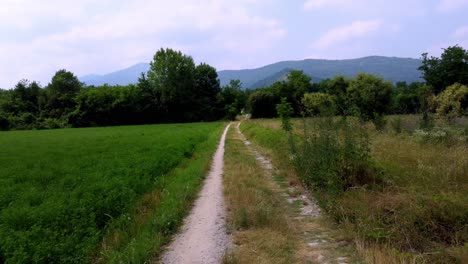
[
  {"x": 203, "y": 237},
  {"x": 318, "y": 242}
]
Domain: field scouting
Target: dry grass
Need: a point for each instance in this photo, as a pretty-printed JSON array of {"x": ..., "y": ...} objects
[
  {"x": 261, "y": 232},
  {"x": 420, "y": 214}
]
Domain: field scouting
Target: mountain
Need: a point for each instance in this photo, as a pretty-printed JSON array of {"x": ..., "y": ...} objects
[
  {"x": 121, "y": 77},
  {"x": 390, "y": 68}
]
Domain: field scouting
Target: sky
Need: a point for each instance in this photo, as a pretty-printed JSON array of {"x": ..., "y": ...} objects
[{"x": 38, "y": 38}]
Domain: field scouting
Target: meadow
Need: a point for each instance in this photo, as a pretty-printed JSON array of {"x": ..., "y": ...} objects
[
  {"x": 98, "y": 194},
  {"x": 411, "y": 206}
]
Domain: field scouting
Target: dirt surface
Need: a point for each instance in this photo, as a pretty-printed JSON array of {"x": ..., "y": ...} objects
[{"x": 203, "y": 237}]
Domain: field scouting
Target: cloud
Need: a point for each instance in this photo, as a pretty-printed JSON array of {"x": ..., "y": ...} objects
[
  {"x": 100, "y": 36},
  {"x": 461, "y": 32},
  {"x": 348, "y": 32},
  {"x": 450, "y": 5},
  {"x": 317, "y": 4}
]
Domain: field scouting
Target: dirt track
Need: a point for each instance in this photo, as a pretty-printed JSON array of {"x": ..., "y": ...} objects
[{"x": 203, "y": 237}]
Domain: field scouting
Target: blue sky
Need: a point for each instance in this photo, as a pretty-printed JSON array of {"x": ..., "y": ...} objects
[{"x": 37, "y": 38}]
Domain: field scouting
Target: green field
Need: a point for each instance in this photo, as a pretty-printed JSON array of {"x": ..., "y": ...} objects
[{"x": 63, "y": 191}]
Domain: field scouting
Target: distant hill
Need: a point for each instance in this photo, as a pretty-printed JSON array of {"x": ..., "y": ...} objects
[
  {"x": 121, "y": 77},
  {"x": 390, "y": 68}
]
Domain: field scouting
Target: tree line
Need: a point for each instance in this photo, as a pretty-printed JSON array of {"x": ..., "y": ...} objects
[
  {"x": 370, "y": 97},
  {"x": 175, "y": 89}
]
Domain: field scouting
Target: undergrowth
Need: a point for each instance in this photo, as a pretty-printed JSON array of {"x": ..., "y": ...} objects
[{"x": 403, "y": 197}]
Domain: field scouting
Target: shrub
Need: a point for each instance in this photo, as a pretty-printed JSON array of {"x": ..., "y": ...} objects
[
  {"x": 452, "y": 102},
  {"x": 397, "y": 125},
  {"x": 335, "y": 156},
  {"x": 321, "y": 104}
]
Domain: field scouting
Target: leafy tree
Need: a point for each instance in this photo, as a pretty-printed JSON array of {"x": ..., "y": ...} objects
[
  {"x": 369, "y": 96},
  {"x": 207, "y": 89},
  {"x": 294, "y": 89},
  {"x": 263, "y": 103},
  {"x": 450, "y": 68},
  {"x": 233, "y": 99},
  {"x": 453, "y": 101},
  {"x": 337, "y": 87},
  {"x": 172, "y": 77},
  {"x": 319, "y": 104},
  {"x": 284, "y": 111},
  {"x": 61, "y": 93}
]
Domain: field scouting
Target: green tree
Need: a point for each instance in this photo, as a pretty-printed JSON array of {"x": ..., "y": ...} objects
[
  {"x": 321, "y": 104},
  {"x": 61, "y": 93},
  {"x": 450, "y": 68},
  {"x": 337, "y": 87},
  {"x": 172, "y": 77},
  {"x": 263, "y": 103},
  {"x": 369, "y": 96},
  {"x": 233, "y": 99},
  {"x": 207, "y": 89},
  {"x": 294, "y": 89}
]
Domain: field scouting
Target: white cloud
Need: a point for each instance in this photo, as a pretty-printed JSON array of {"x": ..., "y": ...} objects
[
  {"x": 410, "y": 8},
  {"x": 461, "y": 32},
  {"x": 102, "y": 36},
  {"x": 450, "y": 5},
  {"x": 348, "y": 32},
  {"x": 317, "y": 4}
]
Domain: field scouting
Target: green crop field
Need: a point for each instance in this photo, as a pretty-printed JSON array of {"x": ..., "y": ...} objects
[{"x": 63, "y": 191}]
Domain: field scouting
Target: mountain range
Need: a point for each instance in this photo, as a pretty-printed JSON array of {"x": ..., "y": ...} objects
[{"x": 390, "y": 68}]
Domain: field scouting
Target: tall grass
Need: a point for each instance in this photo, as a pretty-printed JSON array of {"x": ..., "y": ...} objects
[
  {"x": 61, "y": 191},
  {"x": 415, "y": 210},
  {"x": 260, "y": 229}
]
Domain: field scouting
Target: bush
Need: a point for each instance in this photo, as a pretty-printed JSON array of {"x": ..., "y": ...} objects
[
  {"x": 452, "y": 102},
  {"x": 321, "y": 104},
  {"x": 335, "y": 156},
  {"x": 397, "y": 125}
]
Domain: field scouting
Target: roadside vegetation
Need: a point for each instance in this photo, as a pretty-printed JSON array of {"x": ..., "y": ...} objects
[
  {"x": 399, "y": 183},
  {"x": 63, "y": 191},
  {"x": 260, "y": 229}
]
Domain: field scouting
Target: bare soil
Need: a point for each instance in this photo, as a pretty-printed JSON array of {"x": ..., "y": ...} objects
[{"x": 203, "y": 237}]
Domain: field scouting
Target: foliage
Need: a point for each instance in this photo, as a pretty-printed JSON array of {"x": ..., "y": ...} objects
[
  {"x": 319, "y": 104},
  {"x": 174, "y": 90},
  {"x": 262, "y": 103},
  {"x": 450, "y": 68},
  {"x": 62, "y": 190},
  {"x": 369, "y": 96},
  {"x": 419, "y": 207},
  {"x": 341, "y": 156},
  {"x": 285, "y": 110},
  {"x": 61, "y": 92},
  {"x": 452, "y": 102},
  {"x": 233, "y": 99}
]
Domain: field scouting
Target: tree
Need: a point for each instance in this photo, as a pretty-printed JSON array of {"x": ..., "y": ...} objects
[
  {"x": 207, "y": 89},
  {"x": 337, "y": 87},
  {"x": 293, "y": 89},
  {"x": 233, "y": 99},
  {"x": 61, "y": 92},
  {"x": 172, "y": 76},
  {"x": 452, "y": 102},
  {"x": 369, "y": 96},
  {"x": 263, "y": 103},
  {"x": 450, "y": 68},
  {"x": 319, "y": 104}
]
